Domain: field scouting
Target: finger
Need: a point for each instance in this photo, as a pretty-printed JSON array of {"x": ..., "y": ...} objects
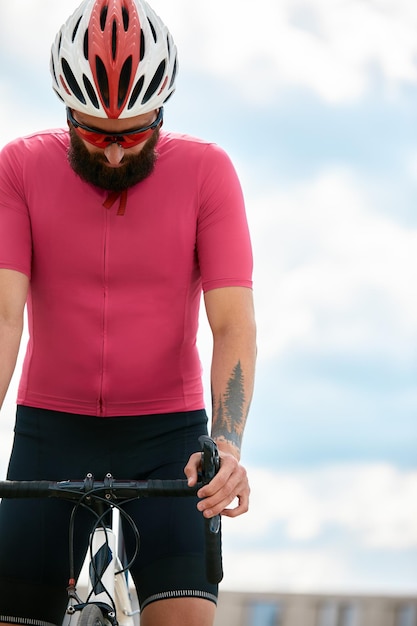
[
  {"x": 222, "y": 499},
  {"x": 191, "y": 469},
  {"x": 215, "y": 508},
  {"x": 224, "y": 508},
  {"x": 229, "y": 468},
  {"x": 242, "y": 507},
  {"x": 228, "y": 483},
  {"x": 223, "y": 491}
]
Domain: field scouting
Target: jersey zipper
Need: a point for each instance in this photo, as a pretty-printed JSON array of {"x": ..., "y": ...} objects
[
  {"x": 101, "y": 403},
  {"x": 112, "y": 197}
]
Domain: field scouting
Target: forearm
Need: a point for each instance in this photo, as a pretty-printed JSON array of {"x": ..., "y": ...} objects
[
  {"x": 10, "y": 336},
  {"x": 13, "y": 292},
  {"x": 231, "y": 316},
  {"x": 232, "y": 380}
]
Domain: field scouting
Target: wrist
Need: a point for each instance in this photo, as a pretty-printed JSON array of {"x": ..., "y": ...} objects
[{"x": 227, "y": 446}]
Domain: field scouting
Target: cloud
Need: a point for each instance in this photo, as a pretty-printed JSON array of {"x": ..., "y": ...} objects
[
  {"x": 315, "y": 571},
  {"x": 339, "y": 528},
  {"x": 373, "y": 506},
  {"x": 332, "y": 274},
  {"x": 411, "y": 167},
  {"x": 19, "y": 118},
  {"x": 28, "y": 28},
  {"x": 333, "y": 48},
  {"x": 284, "y": 570}
]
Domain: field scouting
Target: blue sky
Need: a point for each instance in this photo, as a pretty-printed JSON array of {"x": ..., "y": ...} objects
[{"x": 316, "y": 102}]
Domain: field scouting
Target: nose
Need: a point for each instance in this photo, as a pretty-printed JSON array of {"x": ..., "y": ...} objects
[{"x": 114, "y": 153}]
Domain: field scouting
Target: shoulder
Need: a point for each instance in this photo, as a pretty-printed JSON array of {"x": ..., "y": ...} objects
[
  {"x": 53, "y": 140},
  {"x": 197, "y": 155},
  {"x": 170, "y": 140},
  {"x": 26, "y": 158},
  {"x": 189, "y": 146}
]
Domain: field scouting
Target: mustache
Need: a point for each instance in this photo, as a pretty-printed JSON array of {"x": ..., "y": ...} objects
[{"x": 93, "y": 168}]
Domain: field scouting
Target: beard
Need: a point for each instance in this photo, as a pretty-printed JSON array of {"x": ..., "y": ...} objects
[{"x": 93, "y": 168}]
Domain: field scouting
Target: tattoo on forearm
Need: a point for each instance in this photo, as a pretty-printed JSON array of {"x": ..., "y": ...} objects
[{"x": 229, "y": 410}]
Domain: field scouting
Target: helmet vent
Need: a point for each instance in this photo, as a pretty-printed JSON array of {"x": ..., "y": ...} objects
[
  {"x": 72, "y": 82},
  {"x": 168, "y": 97},
  {"x": 60, "y": 43},
  {"x": 125, "y": 16},
  {"x": 85, "y": 46},
  {"x": 114, "y": 40},
  {"x": 74, "y": 32},
  {"x": 155, "y": 82},
  {"x": 174, "y": 74},
  {"x": 135, "y": 93},
  {"x": 103, "y": 18},
  {"x": 124, "y": 82},
  {"x": 90, "y": 92},
  {"x": 59, "y": 95},
  {"x": 153, "y": 30},
  {"x": 53, "y": 70},
  {"x": 103, "y": 81},
  {"x": 142, "y": 45}
]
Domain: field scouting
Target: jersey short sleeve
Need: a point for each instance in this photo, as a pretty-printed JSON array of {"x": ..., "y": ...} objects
[
  {"x": 15, "y": 231},
  {"x": 223, "y": 241}
]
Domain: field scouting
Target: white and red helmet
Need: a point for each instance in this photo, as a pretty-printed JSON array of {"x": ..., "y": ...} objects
[{"x": 114, "y": 59}]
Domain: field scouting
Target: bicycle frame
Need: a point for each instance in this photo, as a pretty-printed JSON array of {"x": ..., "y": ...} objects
[{"x": 102, "y": 580}]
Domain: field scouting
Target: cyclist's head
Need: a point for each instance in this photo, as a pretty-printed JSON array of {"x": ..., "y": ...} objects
[{"x": 114, "y": 59}]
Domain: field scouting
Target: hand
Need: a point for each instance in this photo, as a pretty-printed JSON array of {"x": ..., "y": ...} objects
[{"x": 230, "y": 482}]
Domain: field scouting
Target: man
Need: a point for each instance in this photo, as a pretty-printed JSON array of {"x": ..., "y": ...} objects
[{"x": 110, "y": 232}]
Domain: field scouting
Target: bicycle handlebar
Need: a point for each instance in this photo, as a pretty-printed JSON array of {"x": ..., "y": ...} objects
[
  {"x": 110, "y": 489},
  {"x": 113, "y": 490}
]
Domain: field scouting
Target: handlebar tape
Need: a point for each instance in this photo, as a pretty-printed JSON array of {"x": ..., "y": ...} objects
[
  {"x": 214, "y": 563},
  {"x": 25, "y": 488}
]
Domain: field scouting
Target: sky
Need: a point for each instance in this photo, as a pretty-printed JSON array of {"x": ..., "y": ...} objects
[{"x": 316, "y": 103}]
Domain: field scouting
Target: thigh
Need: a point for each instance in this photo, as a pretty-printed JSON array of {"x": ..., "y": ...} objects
[
  {"x": 34, "y": 559},
  {"x": 171, "y": 560},
  {"x": 34, "y": 533}
]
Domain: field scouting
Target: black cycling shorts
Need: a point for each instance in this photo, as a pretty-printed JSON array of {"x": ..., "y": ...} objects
[{"x": 34, "y": 552}]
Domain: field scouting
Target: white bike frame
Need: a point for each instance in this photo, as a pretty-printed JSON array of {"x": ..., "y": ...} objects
[{"x": 103, "y": 556}]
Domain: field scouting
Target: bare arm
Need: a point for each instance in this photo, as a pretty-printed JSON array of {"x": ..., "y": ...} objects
[
  {"x": 231, "y": 317},
  {"x": 13, "y": 293}
]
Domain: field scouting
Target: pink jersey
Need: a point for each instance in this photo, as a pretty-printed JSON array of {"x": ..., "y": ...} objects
[{"x": 114, "y": 298}]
